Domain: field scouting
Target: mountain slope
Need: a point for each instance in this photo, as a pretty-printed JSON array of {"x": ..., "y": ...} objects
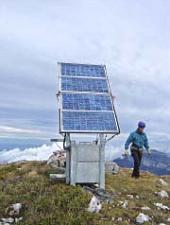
[
  {"x": 158, "y": 163},
  {"x": 55, "y": 203}
]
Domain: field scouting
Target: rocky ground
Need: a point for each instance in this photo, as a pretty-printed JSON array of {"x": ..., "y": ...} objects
[{"x": 27, "y": 196}]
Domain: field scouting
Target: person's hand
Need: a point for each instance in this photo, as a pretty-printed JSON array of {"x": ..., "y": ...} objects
[
  {"x": 149, "y": 151},
  {"x": 126, "y": 153}
]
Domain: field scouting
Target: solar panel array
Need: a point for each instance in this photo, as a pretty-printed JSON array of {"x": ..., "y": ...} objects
[{"x": 86, "y": 104}]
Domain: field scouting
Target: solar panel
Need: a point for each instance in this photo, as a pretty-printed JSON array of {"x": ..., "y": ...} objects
[
  {"x": 88, "y": 121},
  {"x": 86, "y": 104},
  {"x": 84, "y": 84},
  {"x": 69, "y": 69}
]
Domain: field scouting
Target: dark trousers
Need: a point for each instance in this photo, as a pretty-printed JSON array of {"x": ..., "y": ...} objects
[{"x": 137, "y": 157}]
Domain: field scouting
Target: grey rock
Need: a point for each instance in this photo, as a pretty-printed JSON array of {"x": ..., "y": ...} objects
[
  {"x": 94, "y": 205},
  {"x": 57, "y": 160},
  {"x": 137, "y": 196},
  {"x": 14, "y": 209},
  {"x": 162, "y": 194},
  {"x": 142, "y": 218},
  {"x": 130, "y": 196},
  {"x": 119, "y": 219},
  {"x": 162, "y": 182},
  {"x": 161, "y": 206},
  {"x": 18, "y": 219},
  {"x": 125, "y": 204},
  {"x": 8, "y": 220},
  {"x": 145, "y": 208}
]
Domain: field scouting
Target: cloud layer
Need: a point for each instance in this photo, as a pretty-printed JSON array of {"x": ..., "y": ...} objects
[{"x": 36, "y": 153}]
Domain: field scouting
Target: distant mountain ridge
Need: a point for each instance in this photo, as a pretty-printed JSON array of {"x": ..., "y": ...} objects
[{"x": 158, "y": 163}]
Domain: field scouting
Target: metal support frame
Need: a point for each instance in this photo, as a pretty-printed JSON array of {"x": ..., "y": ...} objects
[{"x": 85, "y": 162}]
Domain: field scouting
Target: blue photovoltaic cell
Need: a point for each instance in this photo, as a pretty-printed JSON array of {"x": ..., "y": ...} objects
[
  {"x": 68, "y": 69},
  {"x": 84, "y": 84},
  {"x": 86, "y": 102},
  {"x": 89, "y": 121}
]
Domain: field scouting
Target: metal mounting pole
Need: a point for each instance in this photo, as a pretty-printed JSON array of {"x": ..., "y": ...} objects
[
  {"x": 102, "y": 161},
  {"x": 67, "y": 148}
]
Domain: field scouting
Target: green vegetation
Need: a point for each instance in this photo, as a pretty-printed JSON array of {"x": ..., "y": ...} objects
[{"x": 55, "y": 203}]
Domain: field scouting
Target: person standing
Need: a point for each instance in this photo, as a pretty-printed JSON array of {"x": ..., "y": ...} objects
[{"x": 138, "y": 141}]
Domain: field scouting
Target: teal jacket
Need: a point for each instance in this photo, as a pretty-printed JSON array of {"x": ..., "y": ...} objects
[{"x": 138, "y": 139}]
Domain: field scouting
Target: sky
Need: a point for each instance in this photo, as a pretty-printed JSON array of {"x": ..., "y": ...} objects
[{"x": 130, "y": 37}]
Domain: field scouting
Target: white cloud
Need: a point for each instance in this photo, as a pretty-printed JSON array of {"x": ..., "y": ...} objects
[
  {"x": 8, "y": 129},
  {"x": 35, "y": 153},
  {"x": 43, "y": 152}
]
